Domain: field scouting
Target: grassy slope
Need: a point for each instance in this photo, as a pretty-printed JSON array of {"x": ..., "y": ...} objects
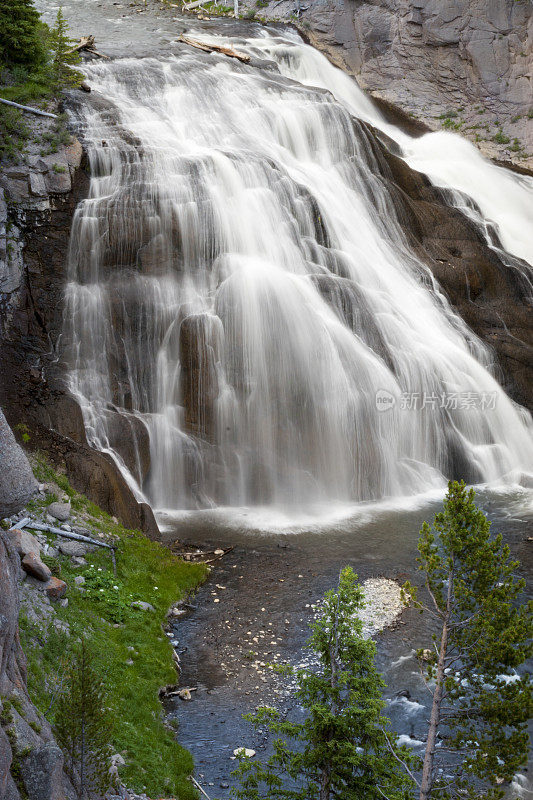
[{"x": 147, "y": 571}]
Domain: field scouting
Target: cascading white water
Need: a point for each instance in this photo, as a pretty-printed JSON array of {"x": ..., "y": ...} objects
[
  {"x": 502, "y": 200},
  {"x": 243, "y": 303}
]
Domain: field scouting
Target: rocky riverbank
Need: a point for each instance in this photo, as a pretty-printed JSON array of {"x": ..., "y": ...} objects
[{"x": 56, "y": 589}]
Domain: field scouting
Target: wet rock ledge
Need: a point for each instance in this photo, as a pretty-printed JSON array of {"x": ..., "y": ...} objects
[{"x": 38, "y": 199}]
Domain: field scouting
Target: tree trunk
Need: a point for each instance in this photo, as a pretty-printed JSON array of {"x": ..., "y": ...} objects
[
  {"x": 429, "y": 755},
  {"x": 325, "y": 782}
]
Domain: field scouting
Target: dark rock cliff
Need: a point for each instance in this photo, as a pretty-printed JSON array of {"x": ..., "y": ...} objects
[
  {"x": 17, "y": 483},
  {"x": 37, "y": 203},
  {"x": 461, "y": 65},
  {"x": 488, "y": 294}
]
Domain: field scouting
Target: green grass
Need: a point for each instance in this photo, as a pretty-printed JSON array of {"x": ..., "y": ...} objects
[
  {"x": 146, "y": 571},
  {"x": 501, "y": 138},
  {"x": 13, "y": 132}
]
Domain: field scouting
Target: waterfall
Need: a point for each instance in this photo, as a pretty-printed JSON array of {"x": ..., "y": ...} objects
[{"x": 245, "y": 322}]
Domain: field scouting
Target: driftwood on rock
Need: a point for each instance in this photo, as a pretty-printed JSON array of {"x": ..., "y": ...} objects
[
  {"x": 199, "y": 557},
  {"x": 78, "y": 537},
  {"x": 87, "y": 43},
  {"x": 196, "y": 4},
  {"x": 217, "y": 48},
  {"x": 28, "y": 108}
]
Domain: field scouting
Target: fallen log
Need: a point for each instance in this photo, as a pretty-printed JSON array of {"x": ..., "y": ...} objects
[
  {"x": 78, "y": 537},
  {"x": 21, "y": 524},
  {"x": 195, "y": 783},
  {"x": 216, "y": 48},
  {"x": 84, "y": 43},
  {"x": 87, "y": 43},
  {"x": 177, "y": 691},
  {"x": 28, "y": 108}
]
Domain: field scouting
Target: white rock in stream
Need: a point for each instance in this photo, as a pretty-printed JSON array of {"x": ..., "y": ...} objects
[{"x": 383, "y": 598}]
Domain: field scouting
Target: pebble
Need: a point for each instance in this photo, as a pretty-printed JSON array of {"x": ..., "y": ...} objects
[
  {"x": 142, "y": 605},
  {"x": 244, "y": 751},
  {"x": 79, "y": 580}
]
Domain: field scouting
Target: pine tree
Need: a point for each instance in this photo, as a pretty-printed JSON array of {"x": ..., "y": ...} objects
[
  {"x": 83, "y": 726},
  {"x": 480, "y": 705},
  {"x": 20, "y": 41},
  {"x": 62, "y": 58},
  {"x": 341, "y": 750}
]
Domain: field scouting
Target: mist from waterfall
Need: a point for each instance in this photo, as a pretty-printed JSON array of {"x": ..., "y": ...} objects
[{"x": 245, "y": 323}]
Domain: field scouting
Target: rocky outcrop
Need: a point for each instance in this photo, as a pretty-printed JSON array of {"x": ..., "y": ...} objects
[
  {"x": 488, "y": 294},
  {"x": 462, "y": 64},
  {"x": 31, "y": 763},
  {"x": 17, "y": 483},
  {"x": 200, "y": 344}
]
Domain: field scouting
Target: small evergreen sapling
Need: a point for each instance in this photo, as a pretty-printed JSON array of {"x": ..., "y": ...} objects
[
  {"x": 83, "y": 725},
  {"x": 480, "y": 705},
  {"x": 63, "y": 75},
  {"x": 341, "y": 750}
]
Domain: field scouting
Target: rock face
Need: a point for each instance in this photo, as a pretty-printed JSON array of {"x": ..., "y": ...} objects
[
  {"x": 37, "y": 203},
  {"x": 486, "y": 293},
  {"x": 461, "y": 65},
  {"x": 432, "y": 57},
  {"x": 31, "y": 764},
  {"x": 17, "y": 483}
]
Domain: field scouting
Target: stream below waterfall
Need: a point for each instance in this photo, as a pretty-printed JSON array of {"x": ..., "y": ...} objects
[
  {"x": 251, "y": 338},
  {"x": 256, "y": 606}
]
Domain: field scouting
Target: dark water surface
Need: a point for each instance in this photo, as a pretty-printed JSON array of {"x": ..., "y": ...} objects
[{"x": 270, "y": 580}]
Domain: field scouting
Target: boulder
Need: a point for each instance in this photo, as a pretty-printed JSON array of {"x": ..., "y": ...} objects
[
  {"x": 56, "y": 589},
  {"x": 59, "y": 511},
  {"x": 32, "y": 565},
  {"x": 42, "y": 773},
  {"x": 17, "y": 483},
  {"x": 23, "y": 542},
  {"x": 245, "y": 752},
  {"x": 72, "y": 548},
  {"x": 58, "y": 182},
  {"x": 142, "y": 606}
]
